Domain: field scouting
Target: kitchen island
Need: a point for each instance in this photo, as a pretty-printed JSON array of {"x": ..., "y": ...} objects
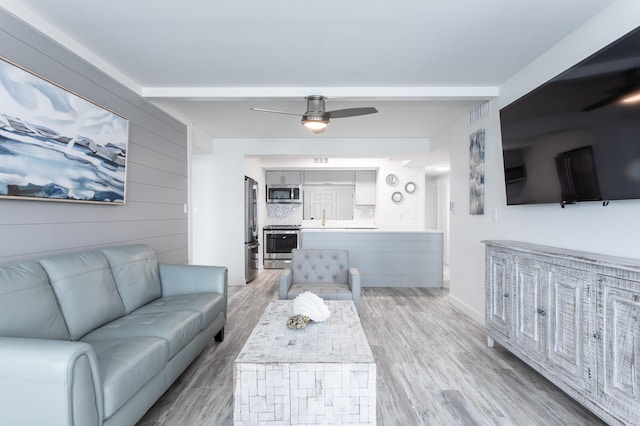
[{"x": 385, "y": 258}]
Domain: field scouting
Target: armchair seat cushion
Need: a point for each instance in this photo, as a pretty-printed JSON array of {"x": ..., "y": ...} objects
[{"x": 327, "y": 291}]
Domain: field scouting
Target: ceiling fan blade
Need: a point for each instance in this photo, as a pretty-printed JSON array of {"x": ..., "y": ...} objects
[
  {"x": 631, "y": 83},
  {"x": 276, "y": 111},
  {"x": 602, "y": 103},
  {"x": 351, "y": 112}
]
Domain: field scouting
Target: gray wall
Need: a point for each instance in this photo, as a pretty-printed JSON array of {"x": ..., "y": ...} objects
[{"x": 157, "y": 169}]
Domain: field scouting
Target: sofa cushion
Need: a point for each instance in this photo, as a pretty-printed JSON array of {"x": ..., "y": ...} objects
[
  {"x": 135, "y": 271},
  {"x": 208, "y": 306},
  {"x": 126, "y": 365},
  {"x": 85, "y": 290},
  {"x": 327, "y": 291},
  {"x": 28, "y": 307},
  {"x": 178, "y": 328}
]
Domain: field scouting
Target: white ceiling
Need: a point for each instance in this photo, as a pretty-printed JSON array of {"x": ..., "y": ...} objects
[{"x": 421, "y": 63}]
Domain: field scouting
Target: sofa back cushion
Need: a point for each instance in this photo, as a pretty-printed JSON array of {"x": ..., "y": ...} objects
[
  {"x": 135, "y": 270},
  {"x": 320, "y": 266},
  {"x": 85, "y": 290},
  {"x": 28, "y": 307}
]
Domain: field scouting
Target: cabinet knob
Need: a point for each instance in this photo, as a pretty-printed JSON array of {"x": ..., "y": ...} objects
[
  {"x": 506, "y": 295},
  {"x": 542, "y": 312}
]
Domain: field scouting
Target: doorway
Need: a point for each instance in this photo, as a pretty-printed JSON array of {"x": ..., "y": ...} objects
[{"x": 328, "y": 202}]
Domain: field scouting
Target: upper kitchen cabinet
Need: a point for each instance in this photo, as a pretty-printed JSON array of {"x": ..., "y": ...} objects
[
  {"x": 328, "y": 177},
  {"x": 283, "y": 177},
  {"x": 365, "y": 187}
]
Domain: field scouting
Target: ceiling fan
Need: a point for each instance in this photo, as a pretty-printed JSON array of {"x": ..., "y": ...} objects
[
  {"x": 317, "y": 118},
  {"x": 627, "y": 92}
]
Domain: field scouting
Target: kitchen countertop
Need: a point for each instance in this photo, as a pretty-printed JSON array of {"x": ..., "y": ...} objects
[{"x": 375, "y": 230}]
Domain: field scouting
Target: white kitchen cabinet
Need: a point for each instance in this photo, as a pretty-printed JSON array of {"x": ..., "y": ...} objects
[
  {"x": 283, "y": 177},
  {"x": 365, "y": 187},
  {"x": 328, "y": 177},
  {"x": 572, "y": 316}
]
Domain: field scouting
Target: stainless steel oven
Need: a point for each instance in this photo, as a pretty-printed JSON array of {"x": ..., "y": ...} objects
[{"x": 278, "y": 241}]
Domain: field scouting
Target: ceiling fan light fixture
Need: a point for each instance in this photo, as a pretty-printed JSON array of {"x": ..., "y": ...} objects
[
  {"x": 632, "y": 98},
  {"x": 315, "y": 124},
  {"x": 315, "y": 121}
]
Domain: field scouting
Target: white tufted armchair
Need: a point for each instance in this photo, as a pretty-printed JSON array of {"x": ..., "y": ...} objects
[{"x": 324, "y": 272}]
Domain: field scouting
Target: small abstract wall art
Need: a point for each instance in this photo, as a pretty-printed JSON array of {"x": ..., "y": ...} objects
[
  {"x": 476, "y": 173},
  {"x": 56, "y": 145}
]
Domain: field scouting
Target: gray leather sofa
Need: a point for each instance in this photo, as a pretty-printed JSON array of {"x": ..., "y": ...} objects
[{"x": 96, "y": 337}]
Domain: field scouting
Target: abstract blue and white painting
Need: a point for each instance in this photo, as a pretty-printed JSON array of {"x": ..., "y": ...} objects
[
  {"x": 476, "y": 173},
  {"x": 56, "y": 145}
]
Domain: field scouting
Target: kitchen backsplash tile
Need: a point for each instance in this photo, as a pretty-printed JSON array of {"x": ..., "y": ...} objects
[
  {"x": 364, "y": 213},
  {"x": 291, "y": 214},
  {"x": 284, "y": 214}
]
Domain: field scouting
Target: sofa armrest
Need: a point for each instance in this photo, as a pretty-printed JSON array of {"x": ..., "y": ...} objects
[
  {"x": 285, "y": 283},
  {"x": 355, "y": 286},
  {"x": 177, "y": 280},
  {"x": 52, "y": 382}
]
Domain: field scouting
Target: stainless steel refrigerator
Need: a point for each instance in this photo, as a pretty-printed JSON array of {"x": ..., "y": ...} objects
[{"x": 251, "y": 251}]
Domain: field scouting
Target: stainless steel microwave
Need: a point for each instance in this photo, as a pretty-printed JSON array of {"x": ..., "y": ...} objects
[{"x": 284, "y": 194}]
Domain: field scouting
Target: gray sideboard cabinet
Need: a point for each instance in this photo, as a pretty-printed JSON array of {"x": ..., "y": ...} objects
[{"x": 572, "y": 316}]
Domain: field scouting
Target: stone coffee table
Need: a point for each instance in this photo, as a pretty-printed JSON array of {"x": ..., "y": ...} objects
[{"x": 322, "y": 374}]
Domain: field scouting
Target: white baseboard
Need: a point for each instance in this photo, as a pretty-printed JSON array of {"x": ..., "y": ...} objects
[{"x": 467, "y": 310}]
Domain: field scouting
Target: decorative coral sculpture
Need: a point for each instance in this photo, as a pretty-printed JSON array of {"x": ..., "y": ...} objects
[{"x": 312, "y": 306}]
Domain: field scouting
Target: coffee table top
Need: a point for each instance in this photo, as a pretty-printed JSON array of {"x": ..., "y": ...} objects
[{"x": 340, "y": 339}]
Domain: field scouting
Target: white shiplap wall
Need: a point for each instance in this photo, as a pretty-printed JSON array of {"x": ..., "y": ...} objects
[{"x": 157, "y": 171}]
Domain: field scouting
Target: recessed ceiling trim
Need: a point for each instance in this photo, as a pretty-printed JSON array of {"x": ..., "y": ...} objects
[{"x": 351, "y": 93}]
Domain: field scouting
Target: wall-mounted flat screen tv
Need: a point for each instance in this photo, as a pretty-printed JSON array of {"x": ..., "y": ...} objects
[{"x": 577, "y": 137}]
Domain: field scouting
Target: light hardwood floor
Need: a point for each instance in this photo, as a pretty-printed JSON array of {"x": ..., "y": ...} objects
[{"x": 434, "y": 367}]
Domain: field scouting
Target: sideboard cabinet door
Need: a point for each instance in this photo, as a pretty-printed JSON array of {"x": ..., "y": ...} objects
[
  {"x": 531, "y": 308},
  {"x": 619, "y": 343},
  {"x": 498, "y": 297},
  {"x": 570, "y": 308}
]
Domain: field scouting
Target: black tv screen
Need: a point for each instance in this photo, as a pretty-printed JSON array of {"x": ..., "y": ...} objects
[{"x": 577, "y": 137}]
